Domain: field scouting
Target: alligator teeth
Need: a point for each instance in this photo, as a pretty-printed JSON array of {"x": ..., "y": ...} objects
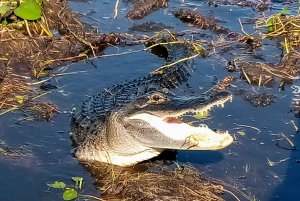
[{"x": 203, "y": 126}]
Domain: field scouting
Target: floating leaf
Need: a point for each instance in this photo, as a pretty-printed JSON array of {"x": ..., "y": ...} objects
[
  {"x": 4, "y": 9},
  {"x": 29, "y": 10},
  {"x": 2, "y": 150},
  {"x": 201, "y": 116},
  {"x": 78, "y": 181},
  {"x": 70, "y": 194},
  {"x": 285, "y": 11},
  {"x": 20, "y": 99},
  {"x": 57, "y": 184},
  {"x": 241, "y": 133},
  {"x": 200, "y": 50}
]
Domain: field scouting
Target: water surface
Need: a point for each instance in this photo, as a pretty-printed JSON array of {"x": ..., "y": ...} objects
[{"x": 242, "y": 165}]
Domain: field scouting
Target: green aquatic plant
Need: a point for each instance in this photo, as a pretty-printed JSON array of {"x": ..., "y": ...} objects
[
  {"x": 271, "y": 22},
  {"x": 69, "y": 193},
  {"x": 29, "y": 10},
  {"x": 4, "y": 9}
]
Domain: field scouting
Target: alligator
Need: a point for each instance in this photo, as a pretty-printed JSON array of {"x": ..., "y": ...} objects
[{"x": 136, "y": 120}]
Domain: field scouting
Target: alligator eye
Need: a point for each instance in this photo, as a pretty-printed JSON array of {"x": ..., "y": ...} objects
[{"x": 156, "y": 97}]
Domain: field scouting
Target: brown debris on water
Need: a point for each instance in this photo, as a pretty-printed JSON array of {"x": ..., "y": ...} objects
[
  {"x": 283, "y": 26},
  {"x": 257, "y": 73},
  {"x": 259, "y": 5},
  {"x": 139, "y": 183},
  {"x": 17, "y": 93},
  {"x": 27, "y": 52},
  {"x": 199, "y": 20},
  {"x": 142, "y": 8},
  {"x": 225, "y": 83},
  {"x": 10, "y": 152},
  {"x": 256, "y": 99},
  {"x": 13, "y": 91},
  {"x": 69, "y": 40}
]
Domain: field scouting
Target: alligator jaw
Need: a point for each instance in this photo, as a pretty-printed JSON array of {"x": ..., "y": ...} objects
[{"x": 184, "y": 136}]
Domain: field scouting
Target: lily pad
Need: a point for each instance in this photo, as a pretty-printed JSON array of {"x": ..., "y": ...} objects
[
  {"x": 57, "y": 184},
  {"x": 29, "y": 10},
  {"x": 70, "y": 194}
]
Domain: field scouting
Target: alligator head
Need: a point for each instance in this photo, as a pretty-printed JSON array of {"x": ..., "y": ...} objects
[{"x": 149, "y": 124}]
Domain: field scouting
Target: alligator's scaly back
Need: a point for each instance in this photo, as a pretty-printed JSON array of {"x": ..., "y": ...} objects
[{"x": 136, "y": 120}]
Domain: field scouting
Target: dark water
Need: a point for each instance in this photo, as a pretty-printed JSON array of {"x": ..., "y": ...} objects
[{"x": 243, "y": 165}]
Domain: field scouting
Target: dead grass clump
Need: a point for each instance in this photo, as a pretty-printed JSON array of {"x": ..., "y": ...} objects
[
  {"x": 180, "y": 184},
  {"x": 7, "y": 151},
  {"x": 257, "y": 73},
  {"x": 140, "y": 183},
  {"x": 283, "y": 26},
  {"x": 196, "y": 19},
  {"x": 142, "y": 8},
  {"x": 14, "y": 91},
  {"x": 57, "y": 37},
  {"x": 225, "y": 83},
  {"x": 260, "y": 6},
  {"x": 40, "y": 110}
]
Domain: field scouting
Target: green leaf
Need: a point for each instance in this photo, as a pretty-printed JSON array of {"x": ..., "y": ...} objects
[
  {"x": 270, "y": 24},
  {"x": 4, "y": 22},
  {"x": 70, "y": 194},
  {"x": 2, "y": 150},
  {"x": 285, "y": 11},
  {"x": 20, "y": 99},
  {"x": 29, "y": 10},
  {"x": 200, "y": 50},
  {"x": 57, "y": 184},
  {"x": 78, "y": 181},
  {"x": 4, "y": 9},
  {"x": 241, "y": 133}
]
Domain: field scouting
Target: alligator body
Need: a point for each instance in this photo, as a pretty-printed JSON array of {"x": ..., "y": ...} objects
[{"x": 136, "y": 120}]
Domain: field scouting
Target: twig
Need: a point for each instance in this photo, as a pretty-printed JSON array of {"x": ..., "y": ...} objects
[
  {"x": 289, "y": 141},
  {"x": 27, "y": 27},
  {"x": 296, "y": 128},
  {"x": 116, "y": 9},
  {"x": 271, "y": 163},
  {"x": 242, "y": 28},
  {"x": 249, "y": 127},
  {"x": 176, "y": 62}
]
